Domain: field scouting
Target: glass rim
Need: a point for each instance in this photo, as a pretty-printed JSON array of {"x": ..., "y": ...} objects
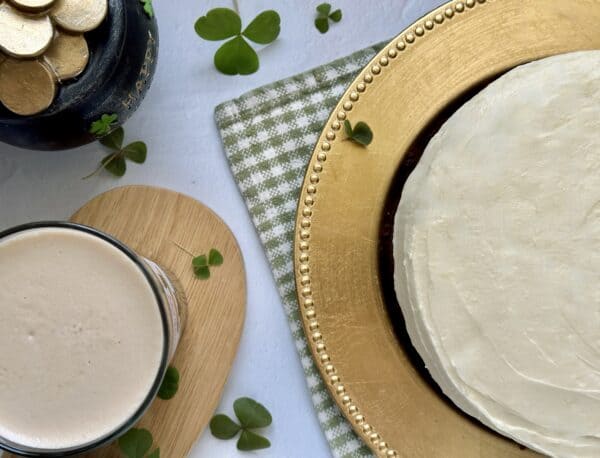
[{"x": 119, "y": 430}]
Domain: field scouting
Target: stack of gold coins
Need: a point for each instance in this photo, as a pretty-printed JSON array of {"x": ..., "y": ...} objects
[{"x": 41, "y": 46}]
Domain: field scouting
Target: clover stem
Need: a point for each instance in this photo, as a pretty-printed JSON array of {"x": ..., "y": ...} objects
[
  {"x": 181, "y": 248},
  {"x": 102, "y": 166},
  {"x": 236, "y": 7},
  {"x": 95, "y": 172}
]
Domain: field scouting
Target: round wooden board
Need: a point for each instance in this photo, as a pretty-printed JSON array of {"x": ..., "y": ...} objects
[
  {"x": 152, "y": 221},
  {"x": 349, "y": 310}
]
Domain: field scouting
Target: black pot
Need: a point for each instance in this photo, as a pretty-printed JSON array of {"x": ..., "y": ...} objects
[{"x": 123, "y": 52}]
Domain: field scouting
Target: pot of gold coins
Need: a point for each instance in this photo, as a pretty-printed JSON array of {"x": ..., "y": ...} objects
[{"x": 72, "y": 70}]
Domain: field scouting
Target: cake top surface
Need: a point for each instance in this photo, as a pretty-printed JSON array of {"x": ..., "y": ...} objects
[{"x": 497, "y": 249}]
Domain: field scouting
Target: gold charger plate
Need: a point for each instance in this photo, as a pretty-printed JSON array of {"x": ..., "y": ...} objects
[{"x": 342, "y": 259}]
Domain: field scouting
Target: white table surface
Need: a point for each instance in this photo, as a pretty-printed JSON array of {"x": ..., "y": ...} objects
[{"x": 185, "y": 154}]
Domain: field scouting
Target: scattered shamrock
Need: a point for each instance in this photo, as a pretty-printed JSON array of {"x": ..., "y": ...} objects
[
  {"x": 324, "y": 14},
  {"x": 136, "y": 443},
  {"x": 202, "y": 264},
  {"x": 170, "y": 384},
  {"x": 115, "y": 161},
  {"x": 148, "y": 8},
  {"x": 251, "y": 415},
  {"x": 236, "y": 56},
  {"x": 103, "y": 125},
  {"x": 361, "y": 133}
]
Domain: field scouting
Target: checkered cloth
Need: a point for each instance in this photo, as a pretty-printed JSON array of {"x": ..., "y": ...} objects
[{"x": 269, "y": 135}]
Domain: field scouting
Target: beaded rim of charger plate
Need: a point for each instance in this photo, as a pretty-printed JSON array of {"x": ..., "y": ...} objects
[{"x": 308, "y": 197}]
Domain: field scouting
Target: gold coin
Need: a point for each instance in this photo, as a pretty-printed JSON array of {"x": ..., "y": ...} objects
[
  {"x": 33, "y": 5},
  {"x": 27, "y": 87},
  {"x": 79, "y": 15},
  {"x": 22, "y": 35},
  {"x": 67, "y": 56}
]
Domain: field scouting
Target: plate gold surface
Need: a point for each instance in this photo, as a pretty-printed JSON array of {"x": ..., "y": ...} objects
[{"x": 349, "y": 194}]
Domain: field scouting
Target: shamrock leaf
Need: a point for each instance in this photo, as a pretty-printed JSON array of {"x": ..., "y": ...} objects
[
  {"x": 114, "y": 140},
  {"x": 115, "y": 164},
  {"x": 136, "y": 152},
  {"x": 324, "y": 14},
  {"x": 219, "y": 24},
  {"x": 170, "y": 384},
  {"x": 155, "y": 454},
  {"x": 135, "y": 443},
  {"x": 322, "y": 24},
  {"x": 236, "y": 56},
  {"x": 223, "y": 427},
  {"x": 361, "y": 133},
  {"x": 251, "y": 441},
  {"x": 324, "y": 9},
  {"x": 264, "y": 29},
  {"x": 202, "y": 272},
  {"x": 148, "y": 8},
  {"x": 251, "y": 413},
  {"x": 336, "y": 16},
  {"x": 200, "y": 261},
  {"x": 103, "y": 125},
  {"x": 201, "y": 264},
  {"x": 215, "y": 258}
]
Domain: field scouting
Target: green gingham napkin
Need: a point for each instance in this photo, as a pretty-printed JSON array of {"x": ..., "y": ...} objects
[{"x": 269, "y": 135}]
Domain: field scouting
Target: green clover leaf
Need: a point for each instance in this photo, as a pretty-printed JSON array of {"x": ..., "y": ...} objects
[
  {"x": 252, "y": 415},
  {"x": 324, "y": 9},
  {"x": 114, "y": 140},
  {"x": 219, "y": 24},
  {"x": 236, "y": 56},
  {"x": 155, "y": 454},
  {"x": 336, "y": 16},
  {"x": 249, "y": 441},
  {"x": 148, "y": 8},
  {"x": 324, "y": 14},
  {"x": 202, "y": 272},
  {"x": 135, "y": 443},
  {"x": 322, "y": 24},
  {"x": 201, "y": 264},
  {"x": 361, "y": 133},
  {"x": 215, "y": 258},
  {"x": 170, "y": 384},
  {"x": 200, "y": 261},
  {"x": 115, "y": 162},
  {"x": 264, "y": 28},
  {"x": 200, "y": 267},
  {"x": 223, "y": 427},
  {"x": 103, "y": 125},
  {"x": 136, "y": 152}
]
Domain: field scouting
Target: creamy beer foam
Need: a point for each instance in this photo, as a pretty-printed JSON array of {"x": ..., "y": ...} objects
[{"x": 81, "y": 338}]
